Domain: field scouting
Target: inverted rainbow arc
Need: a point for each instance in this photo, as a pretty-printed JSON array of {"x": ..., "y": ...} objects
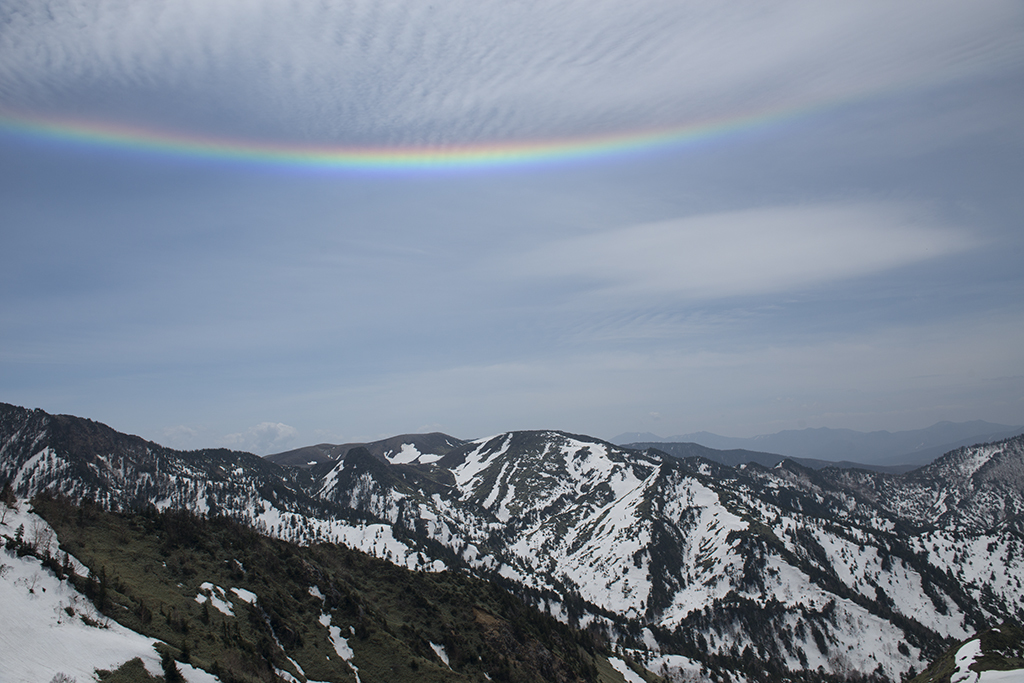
[{"x": 381, "y": 159}]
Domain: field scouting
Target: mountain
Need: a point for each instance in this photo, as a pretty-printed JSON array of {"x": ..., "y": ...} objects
[
  {"x": 739, "y": 456},
  {"x": 918, "y": 446},
  {"x": 685, "y": 564},
  {"x": 638, "y": 437},
  {"x": 406, "y": 448}
]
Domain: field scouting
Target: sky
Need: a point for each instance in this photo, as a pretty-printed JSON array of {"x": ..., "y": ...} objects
[{"x": 264, "y": 224}]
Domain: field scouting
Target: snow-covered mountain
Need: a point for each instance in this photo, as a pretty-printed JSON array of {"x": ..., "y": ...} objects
[{"x": 686, "y": 562}]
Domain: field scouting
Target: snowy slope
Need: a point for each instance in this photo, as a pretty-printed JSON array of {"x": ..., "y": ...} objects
[{"x": 50, "y": 628}]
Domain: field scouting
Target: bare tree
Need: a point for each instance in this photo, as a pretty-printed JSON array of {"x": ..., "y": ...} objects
[
  {"x": 8, "y": 500},
  {"x": 40, "y": 538}
]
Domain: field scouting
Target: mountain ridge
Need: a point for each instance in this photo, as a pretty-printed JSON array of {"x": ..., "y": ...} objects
[
  {"x": 909, "y": 447},
  {"x": 739, "y": 456},
  {"x": 404, "y": 448},
  {"x": 671, "y": 559}
]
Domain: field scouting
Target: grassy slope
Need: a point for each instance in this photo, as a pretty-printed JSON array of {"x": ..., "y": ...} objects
[
  {"x": 1002, "y": 650},
  {"x": 147, "y": 571}
]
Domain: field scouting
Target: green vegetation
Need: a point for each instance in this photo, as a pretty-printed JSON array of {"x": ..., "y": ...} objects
[
  {"x": 132, "y": 671},
  {"x": 1002, "y": 649},
  {"x": 147, "y": 570}
]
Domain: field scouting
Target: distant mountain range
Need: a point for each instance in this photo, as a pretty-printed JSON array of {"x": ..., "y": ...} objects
[
  {"x": 695, "y": 569},
  {"x": 738, "y": 456},
  {"x": 914, "y": 447}
]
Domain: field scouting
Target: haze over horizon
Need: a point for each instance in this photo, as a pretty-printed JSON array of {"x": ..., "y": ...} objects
[{"x": 266, "y": 224}]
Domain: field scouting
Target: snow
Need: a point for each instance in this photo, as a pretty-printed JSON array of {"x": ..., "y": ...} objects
[
  {"x": 968, "y": 653},
  {"x": 477, "y": 460},
  {"x": 1015, "y": 676},
  {"x": 341, "y": 645},
  {"x": 406, "y": 455},
  {"x": 627, "y": 673},
  {"x": 674, "y": 664},
  {"x": 27, "y": 470},
  {"x": 441, "y": 653},
  {"x": 288, "y": 678},
  {"x": 373, "y": 539},
  {"x": 965, "y": 656},
  {"x": 245, "y": 595},
  {"x": 409, "y": 454},
  {"x": 602, "y": 565},
  {"x": 215, "y": 594},
  {"x": 492, "y": 497}
]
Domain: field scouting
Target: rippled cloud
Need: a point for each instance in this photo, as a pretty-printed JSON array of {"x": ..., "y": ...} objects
[{"x": 411, "y": 73}]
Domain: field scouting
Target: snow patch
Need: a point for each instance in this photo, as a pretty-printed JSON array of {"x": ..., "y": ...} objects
[
  {"x": 965, "y": 656},
  {"x": 408, "y": 454},
  {"x": 440, "y": 651},
  {"x": 624, "y": 669},
  {"x": 216, "y": 597}
]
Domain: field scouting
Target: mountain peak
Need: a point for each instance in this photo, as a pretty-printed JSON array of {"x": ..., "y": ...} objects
[{"x": 684, "y": 562}]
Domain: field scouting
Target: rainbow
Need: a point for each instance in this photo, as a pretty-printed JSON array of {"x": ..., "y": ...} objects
[{"x": 373, "y": 159}]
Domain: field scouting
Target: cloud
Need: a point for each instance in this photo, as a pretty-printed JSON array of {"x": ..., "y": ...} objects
[
  {"x": 463, "y": 71},
  {"x": 759, "y": 251},
  {"x": 886, "y": 378},
  {"x": 181, "y": 437},
  {"x": 263, "y": 439}
]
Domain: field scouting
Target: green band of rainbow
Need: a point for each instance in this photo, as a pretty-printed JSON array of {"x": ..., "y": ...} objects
[{"x": 379, "y": 159}]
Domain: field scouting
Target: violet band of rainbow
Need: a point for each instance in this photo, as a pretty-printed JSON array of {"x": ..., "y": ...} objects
[{"x": 380, "y": 159}]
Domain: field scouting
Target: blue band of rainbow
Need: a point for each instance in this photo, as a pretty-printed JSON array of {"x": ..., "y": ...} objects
[{"x": 374, "y": 159}]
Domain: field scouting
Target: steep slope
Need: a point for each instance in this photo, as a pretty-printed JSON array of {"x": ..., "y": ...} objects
[
  {"x": 85, "y": 459},
  {"x": 218, "y": 597},
  {"x": 704, "y": 560},
  {"x": 974, "y": 489}
]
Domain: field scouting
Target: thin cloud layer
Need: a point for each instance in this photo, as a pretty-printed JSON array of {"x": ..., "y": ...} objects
[
  {"x": 827, "y": 381},
  {"x": 467, "y": 72},
  {"x": 760, "y": 251},
  {"x": 856, "y": 263}
]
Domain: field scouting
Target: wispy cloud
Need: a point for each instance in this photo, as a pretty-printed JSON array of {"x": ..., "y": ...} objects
[
  {"x": 759, "y": 251},
  {"x": 877, "y": 379}
]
